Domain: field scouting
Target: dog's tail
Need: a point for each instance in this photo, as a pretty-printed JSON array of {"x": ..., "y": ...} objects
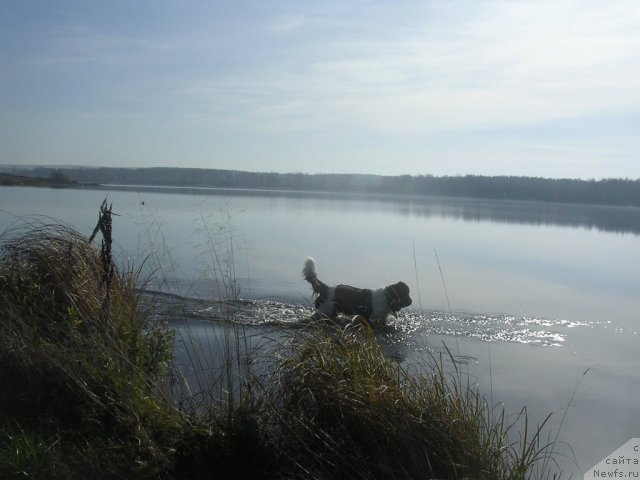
[{"x": 310, "y": 275}]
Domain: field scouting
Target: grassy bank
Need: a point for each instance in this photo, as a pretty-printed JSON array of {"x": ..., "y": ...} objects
[
  {"x": 79, "y": 365},
  {"x": 85, "y": 375}
]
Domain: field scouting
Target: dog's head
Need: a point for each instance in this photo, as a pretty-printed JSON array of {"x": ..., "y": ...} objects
[{"x": 398, "y": 296}]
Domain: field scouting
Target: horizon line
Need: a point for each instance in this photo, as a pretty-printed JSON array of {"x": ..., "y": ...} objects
[{"x": 458, "y": 175}]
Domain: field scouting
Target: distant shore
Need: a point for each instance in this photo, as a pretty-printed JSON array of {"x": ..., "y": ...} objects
[
  {"x": 8, "y": 180},
  {"x": 616, "y": 191}
]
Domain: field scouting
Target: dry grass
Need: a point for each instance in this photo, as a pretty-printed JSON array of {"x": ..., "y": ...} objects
[
  {"x": 78, "y": 361},
  {"x": 336, "y": 407},
  {"x": 373, "y": 419}
]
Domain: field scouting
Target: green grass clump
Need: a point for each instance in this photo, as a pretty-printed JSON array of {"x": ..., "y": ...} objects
[
  {"x": 79, "y": 362},
  {"x": 336, "y": 407},
  {"x": 371, "y": 418}
]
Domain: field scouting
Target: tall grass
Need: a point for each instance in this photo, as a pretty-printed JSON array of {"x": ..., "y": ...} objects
[
  {"x": 376, "y": 420},
  {"x": 84, "y": 374},
  {"x": 79, "y": 362},
  {"x": 337, "y": 407}
]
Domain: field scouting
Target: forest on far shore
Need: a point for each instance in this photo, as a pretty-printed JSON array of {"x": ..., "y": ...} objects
[{"x": 623, "y": 192}]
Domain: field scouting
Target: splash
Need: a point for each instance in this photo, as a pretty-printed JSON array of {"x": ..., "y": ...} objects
[{"x": 528, "y": 330}]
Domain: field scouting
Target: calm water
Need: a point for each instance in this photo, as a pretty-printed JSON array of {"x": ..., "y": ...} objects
[{"x": 532, "y": 295}]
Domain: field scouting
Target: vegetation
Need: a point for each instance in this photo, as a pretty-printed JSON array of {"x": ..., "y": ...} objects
[
  {"x": 624, "y": 192},
  {"x": 370, "y": 418},
  {"x": 84, "y": 375},
  {"x": 79, "y": 364},
  {"x": 55, "y": 179}
]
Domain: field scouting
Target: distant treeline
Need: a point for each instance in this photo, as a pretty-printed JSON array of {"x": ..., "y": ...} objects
[
  {"x": 55, "y": 179},
  {"x": 603, "y": 192}
]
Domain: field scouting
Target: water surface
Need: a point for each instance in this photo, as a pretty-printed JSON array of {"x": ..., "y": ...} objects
[{"x": 529, "y": 296}]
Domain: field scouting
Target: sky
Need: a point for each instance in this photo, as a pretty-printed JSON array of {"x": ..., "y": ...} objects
[{"x": 547, "y": 88}]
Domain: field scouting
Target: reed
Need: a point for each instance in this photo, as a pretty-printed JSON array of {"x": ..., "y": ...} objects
[
  {"x": 371, "y": 418},
  {"x": 336, "y": 407}
]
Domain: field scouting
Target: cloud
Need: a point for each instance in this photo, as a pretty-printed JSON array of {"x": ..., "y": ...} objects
[
  {"x": 287, "y": 23},
  {"x": 370, "y": 82},
  {"x": 458, "y": 66},
  {"x": 501, "y": 64}
]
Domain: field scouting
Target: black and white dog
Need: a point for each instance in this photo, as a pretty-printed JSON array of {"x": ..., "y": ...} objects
[{"x": 374, "y": 305}]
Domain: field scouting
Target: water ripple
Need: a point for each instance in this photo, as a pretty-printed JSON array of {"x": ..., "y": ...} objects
[
  {"x": 538, "y": 331},
  {"x": 492, "y": 328}
]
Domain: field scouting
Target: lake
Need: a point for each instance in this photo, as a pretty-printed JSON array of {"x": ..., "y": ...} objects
[{"x": 532, "y": 295}]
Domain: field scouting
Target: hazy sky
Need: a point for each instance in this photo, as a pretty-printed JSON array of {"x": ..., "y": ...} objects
[{"x": 542, "y": 88}]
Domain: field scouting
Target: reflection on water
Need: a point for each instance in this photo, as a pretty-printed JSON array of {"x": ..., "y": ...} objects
[
  {"x": 604, "y": 218},
  {"x": 608, "y": 219}
]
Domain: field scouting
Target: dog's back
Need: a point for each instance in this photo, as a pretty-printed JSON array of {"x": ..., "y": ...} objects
[{"x": 353, "y": 301}]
